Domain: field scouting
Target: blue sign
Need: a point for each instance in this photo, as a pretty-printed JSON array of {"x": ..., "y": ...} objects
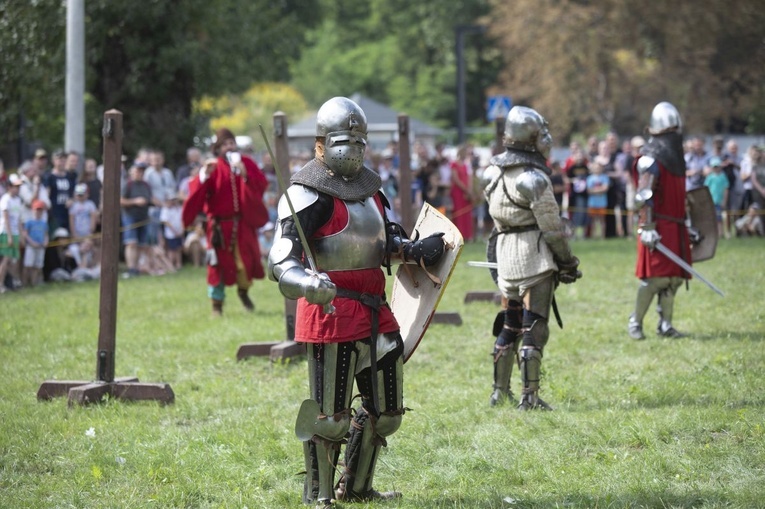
[{"x": 498, "y": 107}]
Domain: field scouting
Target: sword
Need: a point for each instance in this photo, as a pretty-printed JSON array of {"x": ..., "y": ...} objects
[
  {"x": 485, "y": 265},
  {"x": 684, "y": 265},
  {"x": 328, "y": 308}
]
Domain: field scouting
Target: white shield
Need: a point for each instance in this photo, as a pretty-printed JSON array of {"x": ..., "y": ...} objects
[{"x": 415, "y": 295}]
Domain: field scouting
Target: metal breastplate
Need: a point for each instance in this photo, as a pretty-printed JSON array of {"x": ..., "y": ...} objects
[{"x": 359, "y": 245}]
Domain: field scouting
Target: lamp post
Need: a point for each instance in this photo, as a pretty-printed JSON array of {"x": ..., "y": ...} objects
[
  {"x": 74, "y": 131},
  {"x": 460, "y": 31}
]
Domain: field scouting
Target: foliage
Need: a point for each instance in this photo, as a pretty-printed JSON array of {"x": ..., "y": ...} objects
[
  {"x": 638, "y": 424},
  {"x": 396, "y": 52},
  {"x": 31, "y": 69},
  {"x": 606, "y": 63},
  {"x": 148, "y": 59},
  {"x": 153, "y": 59},
  {"x": 243, "y": 114}
]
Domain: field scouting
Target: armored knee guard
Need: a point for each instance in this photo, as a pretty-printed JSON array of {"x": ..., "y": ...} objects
[
  {"x": 534, "y": 340},
  {"x": 505, "y": 351}
]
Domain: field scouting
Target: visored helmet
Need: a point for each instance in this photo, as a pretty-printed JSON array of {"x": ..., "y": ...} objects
[
  {"x": 343, "y": 125},
  {"x": 527, "y": 130},
  {"x": 665, "y": 118}
]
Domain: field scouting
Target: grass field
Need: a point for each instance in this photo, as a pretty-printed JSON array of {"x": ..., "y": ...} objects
[{"x": 659, "y": 423}]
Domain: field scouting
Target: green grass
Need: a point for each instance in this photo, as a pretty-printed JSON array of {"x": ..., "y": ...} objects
[{"x": 657, "y": 424}]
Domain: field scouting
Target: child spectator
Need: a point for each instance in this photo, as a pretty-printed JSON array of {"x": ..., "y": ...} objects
[
  {"x": 597, "y": 198},
  {"x": 750, "y": 225},
  {"x": 266, "y": 239},
  {"x": 170, "y": 215},
  {"x": 35, "y": 238},
  {"x": 718, "y": 183},
  {"x": 83, "y": 218},
  {"x": 10, "y": 231},
  {"x": 195, "y": 243}
]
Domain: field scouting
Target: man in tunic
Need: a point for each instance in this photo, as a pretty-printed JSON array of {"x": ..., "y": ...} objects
[
  {"x": 229, "y": 190},
  {"x": 660, "y": 198},
  {"x": 532, "y": 251}
]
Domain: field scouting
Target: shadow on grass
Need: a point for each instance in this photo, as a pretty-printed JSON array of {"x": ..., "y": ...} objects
[{"x": 734, "y": 336}]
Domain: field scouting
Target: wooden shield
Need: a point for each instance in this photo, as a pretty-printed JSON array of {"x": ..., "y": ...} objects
[
  {"x": 415, "y": 296},
  {"x": 701, "y": 212}
]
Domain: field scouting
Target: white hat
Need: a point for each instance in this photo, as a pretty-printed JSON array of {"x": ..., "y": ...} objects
[
  {"x": 60, "y": 233},
  {"x": 14, "y": 179}
]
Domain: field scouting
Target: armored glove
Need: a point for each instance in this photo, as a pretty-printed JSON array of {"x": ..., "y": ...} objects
[
  {"x": 318, "y": 289},
  {"x": 428, "y": 250},
  {"x": 649, "y": 236},
  {"x": 568, "y": 272}
]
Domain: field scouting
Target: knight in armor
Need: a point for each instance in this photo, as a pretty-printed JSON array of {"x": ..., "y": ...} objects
[
  {"x": 531, "y": 249},
  {"x": 660, "y": 200},
  {"x": 342, "y": 315}
]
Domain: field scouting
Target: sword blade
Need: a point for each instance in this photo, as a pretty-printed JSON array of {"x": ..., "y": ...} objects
[
  {"x": 684, "y": 265},
  {"x": 485, "y": 265},
  {"x": 329, "y": 308}
]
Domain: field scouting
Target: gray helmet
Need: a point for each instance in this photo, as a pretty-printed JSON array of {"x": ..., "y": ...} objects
[
  {"x": 343, "y": 125},
  {"x": 527, "y": 130},
  {"x": 665, "y": 118}
]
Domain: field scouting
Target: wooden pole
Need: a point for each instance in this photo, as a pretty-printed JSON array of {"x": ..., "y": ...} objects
[
  {"x": 110, "y": 228},
  {"x": 84, "y": 392},
  {"x": 405, "y": 173},
  {"x": 278, "y": 351}
]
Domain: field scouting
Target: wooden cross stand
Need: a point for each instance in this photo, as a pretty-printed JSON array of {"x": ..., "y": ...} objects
[
  {"x": 407, "y": 214},
  {"x": 278, "y": 350},
  {"x": 494, "y": 296},
  {"x": 83, "y": 392}
]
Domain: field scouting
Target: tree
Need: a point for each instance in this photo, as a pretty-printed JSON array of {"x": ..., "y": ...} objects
[
  {"x": 149, "y": 59},
  {"x": 152, "y": 59},
  {"x": 31, "y": 73},
  {"x": 590, "y": 65},
  {"x": 397, "y": 52},
  {"x": 244, "y": 113}
]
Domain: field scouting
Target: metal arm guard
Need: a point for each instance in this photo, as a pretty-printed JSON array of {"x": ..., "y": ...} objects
[
  {"x": 646, "y": 167},
  {"x": 294, "y": 280},
  {"x": 532, "y": 185}
]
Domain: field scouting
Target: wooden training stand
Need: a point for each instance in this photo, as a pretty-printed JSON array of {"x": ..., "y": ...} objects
[
  {"x": 407, "y": 214},
  {"x": 494, "y": 296},
  {"x": 83, "y": 392},
  {"x": 278, "y": 351}
]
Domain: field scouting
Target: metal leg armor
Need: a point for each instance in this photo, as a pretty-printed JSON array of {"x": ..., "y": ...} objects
[
  {"x": 536, "y": 302},
  {"x": 531, "y": 368},
  {"x": 323, "y": 420},
  {"x": 505, "y": 352},
  {"x": 368, "y": 433},
  {"x": 647, "y": 289},
  {"x": 665, "y": 308}
]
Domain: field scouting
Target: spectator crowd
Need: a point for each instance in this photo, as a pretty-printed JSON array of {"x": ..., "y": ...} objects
[{"x": 50, "y": 208}]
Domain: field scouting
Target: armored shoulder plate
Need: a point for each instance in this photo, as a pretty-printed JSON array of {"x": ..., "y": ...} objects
[
  {"x": 531, "y": 184},
  {"x": 645, "y": 163},
  {"x": 301, "y": 198}
]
